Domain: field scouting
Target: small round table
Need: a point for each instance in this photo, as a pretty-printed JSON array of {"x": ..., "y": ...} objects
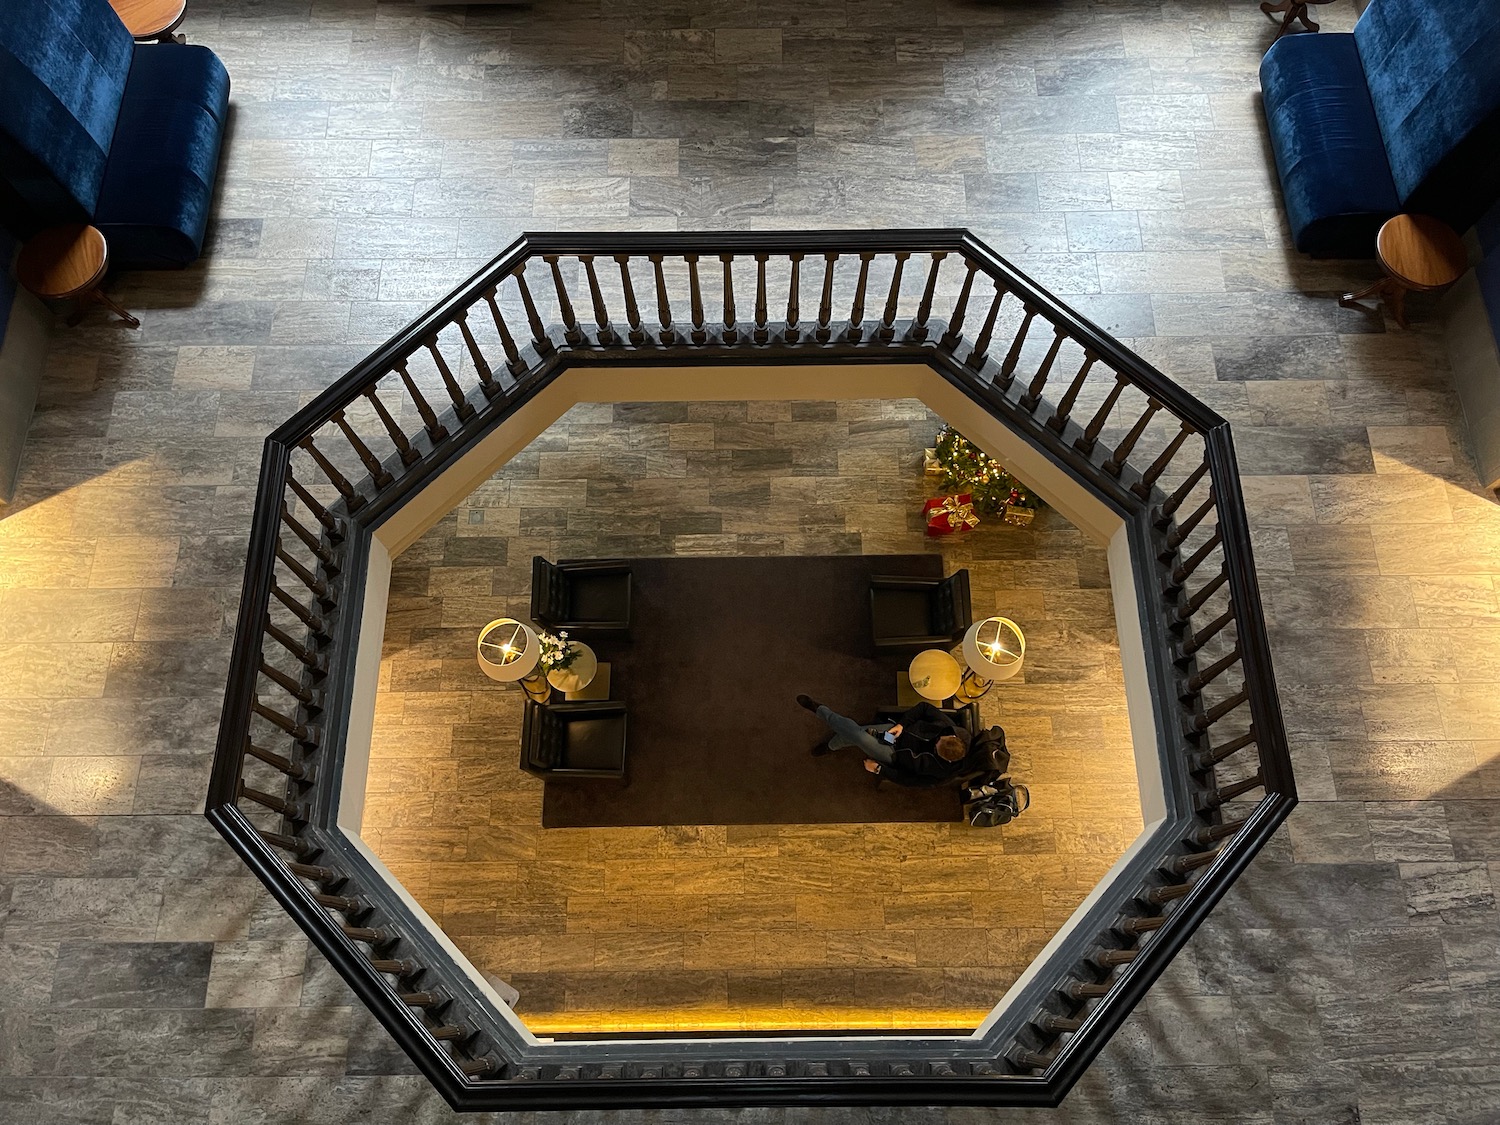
[
  {"x": 934, "y": 675},
  {"x": 68, "y": 261},
  {"x": 151, "y": 19},
  {"x": 1419, "y": 254},
  {"x": 577, "y": 675},
  {"x": 1295, "y": 10}
]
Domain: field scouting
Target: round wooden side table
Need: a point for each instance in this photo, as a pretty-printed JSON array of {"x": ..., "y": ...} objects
[
  {"x": 68, "y": 261},
  {"x": 151, "y": 19},
  {"x": 1295, "y": 10},
  {"x": 1419, "y": 254}
]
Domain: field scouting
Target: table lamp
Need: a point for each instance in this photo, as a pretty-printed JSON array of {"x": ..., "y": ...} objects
[
  {"x": 993, "y": 650},
  {"x": 510, "y": 652}
]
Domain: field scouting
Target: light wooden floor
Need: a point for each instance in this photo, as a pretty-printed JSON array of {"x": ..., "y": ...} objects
[{"x": 916, "y": 925}]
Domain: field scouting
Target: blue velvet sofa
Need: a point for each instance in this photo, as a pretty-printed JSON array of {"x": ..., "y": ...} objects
[
  {"x": 96, "y": 128},
  {"x": 1401, "y": 115}
]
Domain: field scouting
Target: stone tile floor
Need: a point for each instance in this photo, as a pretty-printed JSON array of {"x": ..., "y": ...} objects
[
  {"x": 915, "y": 925},
  {"x": 1114, "y": 149}
]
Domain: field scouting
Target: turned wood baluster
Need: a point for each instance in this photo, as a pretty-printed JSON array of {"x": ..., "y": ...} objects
[
  {"x": 397, "y": 434},
  {"x": 1208, "y": 632},
  {"x": 481, "y": 366},
  {"x": 294, "y": 844},
  {"x": 1169, "y": 506},
  {"x": 306, "y": 655},
  {"x": 1212, "y": 833},
  {"x": 1160, "y": 896},
  {"x": 277, "y": 761},
  {"x": 1110, "y": 958},
  {"x": 373, "y": 936},
  {"x": 293, "y": 688},
  {"x": 313, "y": 542},
  {"x": 825, "y": 301},
  {"x": 450, "y": 1033},
  {"x": 1179, "y": 533},
  {"x": 699, "y": 334},
  {"x": 571, "y": 332},
  {"x": 334, "y": 527},
  {"x": 1195, "y": 603},
  {"x": 1085, "y": 990},
  {"x": 668, "y": 334},
  {"x": 476, "y": 1068},
  {"x": 731, "y": 333},
  {"x": 344, "y": 904},
  {"x": 539, "y": 339},
  {"x": 297, "y": 730},
  {"x": 1050, "y": 1023},
  {"x": 1091, "y": 432},
  {"x": 1202, "y": 722},
  {"x": 396, "y": 967},
  {"x": 1229, "y": 792},
  {"x": 1059, "y": 419},
  {"x": 325, "y": 875},
  {"x": 857, "y": 311},
  {"x": 305, "y": 576},
  {"x": 794, "y": 300},
  {"x": 461, "y": 405},
  {"x": 1201, "y": 679},
  {"x": 513, "y": 358},
  {"x": 1033, "y": 393},
  {"x": 1182, "y": 864},
  {"x": 1184, "y": 570},
  {"x": 422, "y": 999},
  {"x": 918, "y": 329},
  {"x": 352, "y": 499},
  {"x": 1142, "y": 487},
  {"x": 1013, "y": 357},
  {"x": 292, "y": 810},
  {"x": 761, "y": 332},
  {"x": 607, "y": 334},
  {"x": 887, "y": 329},
  {"x": 1134, "y": 927},
  {"x": 436, "y": 431},
  {"x": 1207, "y": 759},
  {"x": 981, "y": 349},
  {"x": 1030, "y": 1060},
  {"x": 1115, "y": 462},
  {"x": 366, "y": 455},
  {"x": 312, "y": 620},
  {"x": 637, "y": 334},
  {"x": 960, "y": 307}
]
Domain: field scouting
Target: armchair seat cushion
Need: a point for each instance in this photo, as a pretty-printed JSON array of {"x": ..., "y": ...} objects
[
  {"x": 1335, "y": 177},
  {"x": 158, "y": 184}
]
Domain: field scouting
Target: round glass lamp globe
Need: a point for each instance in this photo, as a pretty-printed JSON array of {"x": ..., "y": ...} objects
[
  {"x": 508, "y": 650},
  {"x": 994, "y": 648}
]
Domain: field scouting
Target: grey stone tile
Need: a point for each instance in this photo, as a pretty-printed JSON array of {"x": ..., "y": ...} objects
[{"x": 131, "y": 975}]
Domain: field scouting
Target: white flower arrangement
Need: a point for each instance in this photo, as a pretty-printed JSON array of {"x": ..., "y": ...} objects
[{"x": 557, "y": 651}]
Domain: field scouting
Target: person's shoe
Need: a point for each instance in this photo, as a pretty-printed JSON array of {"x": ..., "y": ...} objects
[
  {"x": 821, "y": 748},
  {"x": 809, "y": 702}
]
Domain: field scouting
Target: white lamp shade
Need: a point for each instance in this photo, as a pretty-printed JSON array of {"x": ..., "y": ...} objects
[
  {"x": 994, "y": 648},
  {"x": 508, "y": 650}
]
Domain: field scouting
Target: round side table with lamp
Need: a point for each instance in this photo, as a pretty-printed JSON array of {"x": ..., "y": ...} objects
[
  {"x": 510, "y": 652},
  {"x": 934, "y": 675},
  {"x": 993, "y": 650}
]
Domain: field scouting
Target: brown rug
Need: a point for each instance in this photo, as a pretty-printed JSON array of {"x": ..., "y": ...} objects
[{"x": 718, "y": 652}]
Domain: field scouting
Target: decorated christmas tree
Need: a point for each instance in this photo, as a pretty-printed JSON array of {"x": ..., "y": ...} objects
[{"x": 963, "y": 468}]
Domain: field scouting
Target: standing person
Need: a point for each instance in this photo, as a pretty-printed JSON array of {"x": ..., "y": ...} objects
[{"x": 925, "y": 743}]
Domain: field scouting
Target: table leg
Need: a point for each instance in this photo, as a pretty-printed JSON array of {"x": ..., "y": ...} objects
[
  {"x": 1376, "y": 289},
  {"x": 97, "y": 296},
  {"x": 1395, "y": 300},
  {"x": 1306, "y": 19},
  {"x": 1271, "y": 9}
]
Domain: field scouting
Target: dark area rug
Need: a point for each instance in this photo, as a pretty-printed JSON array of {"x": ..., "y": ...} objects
[{"x": 718, "y": 652}]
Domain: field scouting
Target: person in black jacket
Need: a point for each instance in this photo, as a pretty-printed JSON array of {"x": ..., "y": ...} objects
[{"x": 925, "y": 743}]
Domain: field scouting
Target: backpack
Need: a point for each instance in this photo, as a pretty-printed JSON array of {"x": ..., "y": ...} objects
[{"x": 992, "y": 800}]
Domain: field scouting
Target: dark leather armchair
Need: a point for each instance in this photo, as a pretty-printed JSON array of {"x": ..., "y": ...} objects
[
  {"x": 987, "y": 753},
  {"x": 915, "y": 613},
  {"x": 965, "y": 717},
  {"x": 565, "y": 740},
  {"x": 581, "y": 595}
]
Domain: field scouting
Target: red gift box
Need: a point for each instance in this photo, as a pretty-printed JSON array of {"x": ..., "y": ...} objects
[{"x": 950, "y": 514}]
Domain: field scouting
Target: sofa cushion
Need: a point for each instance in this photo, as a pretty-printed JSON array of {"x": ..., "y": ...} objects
[
  {"x": 1327, "y": 143},
  {"x": 1433, "y": 69},
  {"x": 158, "y": 186},
  {"x": 63, "y": 68}
]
